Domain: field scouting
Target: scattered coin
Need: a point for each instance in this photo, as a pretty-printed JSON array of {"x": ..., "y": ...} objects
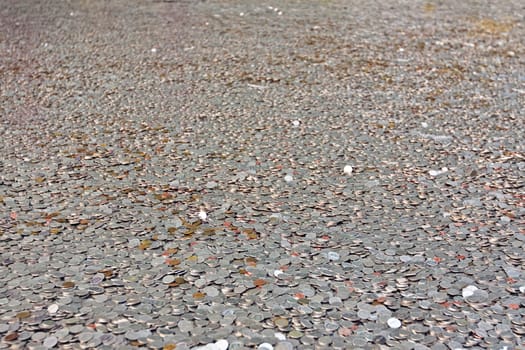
[
  {"x": 11, "y": 336},
  {"x": 394, "y": 323},
  {"x": 324, "y": 196},
  {"x": 50, "y": 342},
  {"x": 52, "y": 309},
  {"x": 265, "y": 346},
  {"x": 468, "y": 291}
]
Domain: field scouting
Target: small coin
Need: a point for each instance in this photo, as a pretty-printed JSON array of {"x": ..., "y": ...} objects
[
  {"x": 265, "y": 346},
  {"x": 468, "y": 291},
  {"x": 23, "y": 315},
  {"x": 168, "y": 279},
  {"x": 97, "y": 278},
  {"x": 47, "y": 324},
  {"x": 68, "y": 284},
  {"x": 295, "y": 334},
  {"x": 333, "y": 256},
  {"x": 393, "y": 323},
  {"x": 143, "y": 333},
  {"x": 281, "y": 322},
  {"x": 325, "y": 341},
  {"x": 38, "y": 336},
  {"x": 211, "y": 291},
  {"x": 131, "y": 335},
  {"x": 331, "y": 326},
  {"x": 11, "y": 336},
  {"x": 76, "y": 329},
  {"x": 25, "y": 336},
  {"x": 284, "y": 345},
  {"x": 62, "y": 333},
  {"x": 359, "y": 341},
  {"x": 108, "y": 339},
  {"x": 185, "y": 326},
  {"x": 50, "y": 342},
  {"x": 52, "y": 309},
  {"x": 84, "y": 337},
  {"x": 363, "y": 314}
]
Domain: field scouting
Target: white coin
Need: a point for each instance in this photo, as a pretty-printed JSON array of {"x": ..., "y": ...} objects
[
  {"x": 279, "y": 336},
  {"x": 222, "y": 344},
  {"x": 468, "y": 291},
  {"x": 393, "y": 322},
  {"x": 52, "y": 309}
]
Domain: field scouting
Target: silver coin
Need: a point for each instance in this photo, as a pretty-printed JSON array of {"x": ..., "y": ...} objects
[
  {"x": 185, "y": 326},
  {"x": 168, "y": 279},
  {"x": 62, "y": 333},
  {"x": 359, "y": 341},
  {"x": 50, "y": 342},
  {"x": 76, "y": 328},
  {"x": 331, "y": 326},
  {"x": 23, "y": 336},
  {"x": 85, "y": 337},
  {"x": 211, "y": 291},
  {"x": 284, "y": 345},
  {"x": 107, "y": 339},
  {"x": 95, "y": 342},
  {"x": 38, "y": 336},
  {"x": 47, "y": 324}
]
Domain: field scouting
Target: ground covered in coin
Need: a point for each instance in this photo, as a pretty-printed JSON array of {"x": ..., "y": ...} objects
[{"x": 229, "y": 174}]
